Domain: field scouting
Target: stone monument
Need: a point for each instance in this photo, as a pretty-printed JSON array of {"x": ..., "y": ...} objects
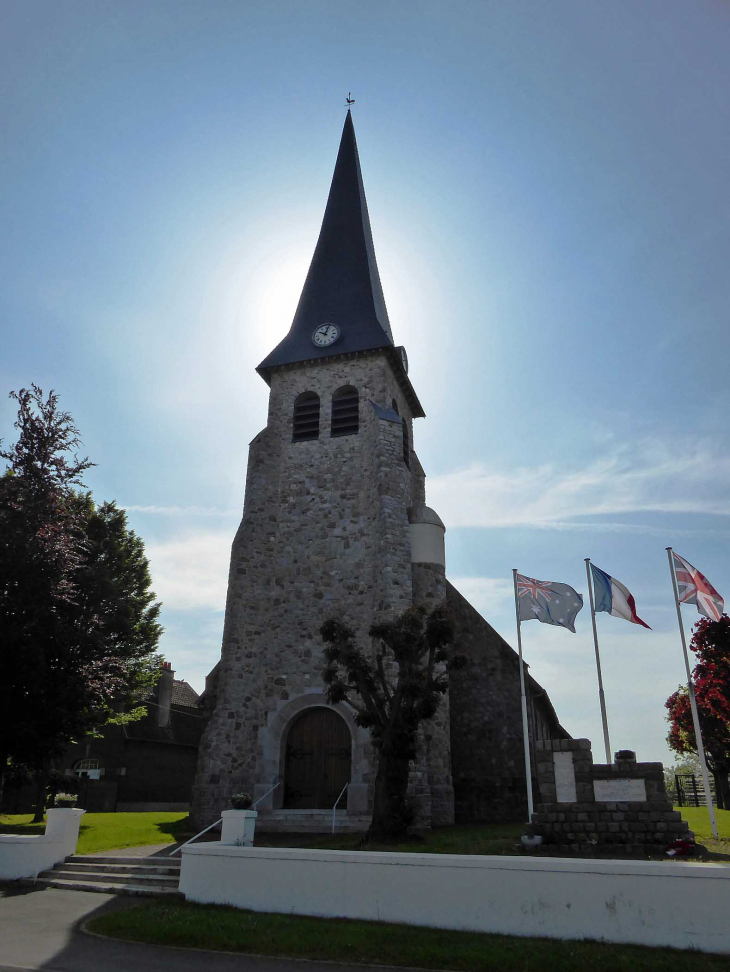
[{"x": 600, "y": 808}]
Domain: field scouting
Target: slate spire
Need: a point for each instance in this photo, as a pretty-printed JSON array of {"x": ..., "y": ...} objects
[{"x": 342, "y": 285}]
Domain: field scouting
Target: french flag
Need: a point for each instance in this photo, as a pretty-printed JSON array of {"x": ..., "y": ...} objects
[{"x": 611, "y": 595}]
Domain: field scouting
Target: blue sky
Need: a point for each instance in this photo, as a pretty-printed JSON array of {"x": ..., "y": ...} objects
[{"x": 548, "y": 191}]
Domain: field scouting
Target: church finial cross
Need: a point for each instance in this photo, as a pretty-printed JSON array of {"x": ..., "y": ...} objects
[{"x": 349, "y": 100}]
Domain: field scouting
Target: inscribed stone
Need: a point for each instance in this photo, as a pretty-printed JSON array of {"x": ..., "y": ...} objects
[
  {"x": 564, "y": 778},
  {"x": 627, "y": 790}
]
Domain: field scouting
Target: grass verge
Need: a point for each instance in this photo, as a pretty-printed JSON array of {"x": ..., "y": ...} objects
[
  {"x": 109, "y": 831},
  {"x": 494, "y": 838},
  {"x": 229, "y": 929},
  {"x": 699, "y": 821},
  {"x": 502, "y": 838}
]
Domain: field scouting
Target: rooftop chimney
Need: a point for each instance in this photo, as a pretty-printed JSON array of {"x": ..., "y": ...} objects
[{"x": 164, "y": 694}]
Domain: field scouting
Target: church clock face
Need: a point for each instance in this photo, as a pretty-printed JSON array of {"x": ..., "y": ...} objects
[
  {"x": 325, "y": 335},
  {"x": 404, "y": 359}
]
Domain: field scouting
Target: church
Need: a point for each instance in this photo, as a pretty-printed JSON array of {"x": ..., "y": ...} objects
[{"x": 335, "y": 524}]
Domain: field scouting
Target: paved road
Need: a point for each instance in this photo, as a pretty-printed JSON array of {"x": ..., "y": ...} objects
[{"x": 39, "y": 929}]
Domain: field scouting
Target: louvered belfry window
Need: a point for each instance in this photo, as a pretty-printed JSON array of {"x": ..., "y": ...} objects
[
  {"x": 345, "y": 411},
  {"x": 406, "y": 447},
  {"x": 306, "y": 417}
]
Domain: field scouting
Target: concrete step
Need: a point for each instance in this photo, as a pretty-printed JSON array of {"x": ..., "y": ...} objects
[
  {"x": 138, "y": 877},
  {"x": 149, "y": 876},
  {"x": 86, "y": 867},
  {"x": 286, "y": 827},
  {"x": 318, "y": 814},
  {"x": 311, "y": 821},
  {"x": 149, "y": 891},
  {"x": 93, "y": 859}
]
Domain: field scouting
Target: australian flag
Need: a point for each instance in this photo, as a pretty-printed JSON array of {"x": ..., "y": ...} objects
[{"x": 548, "y": 602}]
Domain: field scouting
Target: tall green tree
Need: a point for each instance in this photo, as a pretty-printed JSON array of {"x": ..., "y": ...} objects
[
  {"x": 711, "y": 680},
  {"x": 393, "y": 689},
  {"x": 116, "y": 609},
  {"x": 78, "y": 620}
]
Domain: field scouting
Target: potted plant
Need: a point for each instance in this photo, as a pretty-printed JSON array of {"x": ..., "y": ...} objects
[
  {"x": 65, "y": 801},
  {"x": 241, "y": 801},
  {"x": 240, "y": 822}
]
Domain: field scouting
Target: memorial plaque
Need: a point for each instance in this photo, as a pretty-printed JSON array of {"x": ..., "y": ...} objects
[
  {"x": 564, "y": 778},
  {"x": 630, "y": 791}
]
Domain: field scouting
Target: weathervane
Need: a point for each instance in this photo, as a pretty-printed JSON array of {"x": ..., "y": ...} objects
[{"x": 349, "y": 100}]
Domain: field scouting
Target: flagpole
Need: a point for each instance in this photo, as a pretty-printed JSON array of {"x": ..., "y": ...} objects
[
  {"x": 523, "y": 699},
  {"x": 693, "y": 702},
  {"x": 601, "y": 696}
]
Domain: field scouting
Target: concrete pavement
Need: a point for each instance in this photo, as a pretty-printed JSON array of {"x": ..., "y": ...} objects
[{"x": 40, "y": 929}]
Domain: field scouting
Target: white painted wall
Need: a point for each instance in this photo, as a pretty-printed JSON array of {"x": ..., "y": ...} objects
[
  {"x": 22, "y": 857},
  {"x": 427, "y": 544},
  {"x": 646, "y": 903},
  {"x": 238, "y": 827},
  {"x": 26, "y": 857}
]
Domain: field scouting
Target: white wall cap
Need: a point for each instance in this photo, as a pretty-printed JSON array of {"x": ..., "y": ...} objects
[
  {"x": 28, "y": 839},
  {"x": 674, "y": 869}
]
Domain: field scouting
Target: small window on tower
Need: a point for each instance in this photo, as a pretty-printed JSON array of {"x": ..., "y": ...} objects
[
  {"x": 394, "y": 403},
  {"x": 345, "y": 411},
  {"x": 306, "y": 417},
  {"x": 406, "y": 447}
]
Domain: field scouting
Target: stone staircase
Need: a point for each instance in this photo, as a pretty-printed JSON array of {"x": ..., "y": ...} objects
[{"x": 144, "y": 876}]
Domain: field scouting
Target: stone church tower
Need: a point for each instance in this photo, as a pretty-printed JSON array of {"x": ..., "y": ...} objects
[{"x": 334, "y": 524}]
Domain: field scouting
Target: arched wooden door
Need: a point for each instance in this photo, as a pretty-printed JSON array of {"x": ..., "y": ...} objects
[{"x": 318, "y": 759}]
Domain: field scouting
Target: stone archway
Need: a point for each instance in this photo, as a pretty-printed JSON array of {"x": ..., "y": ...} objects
[
  {"x": 272, "y": 739},
  {"x": 317, "y": 759}
]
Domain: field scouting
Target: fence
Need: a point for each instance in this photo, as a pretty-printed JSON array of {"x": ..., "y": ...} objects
[{"x": 691, "y": 790}]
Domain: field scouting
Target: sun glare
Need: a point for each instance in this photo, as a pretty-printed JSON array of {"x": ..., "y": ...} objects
[{"x": 271, "y": 299}]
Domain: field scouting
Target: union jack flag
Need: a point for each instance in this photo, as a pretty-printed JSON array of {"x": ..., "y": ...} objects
[
  {"x": 547, "y": 601},
  {"x": 535, "y": 588},
  {"x": 694, "y": 588}
]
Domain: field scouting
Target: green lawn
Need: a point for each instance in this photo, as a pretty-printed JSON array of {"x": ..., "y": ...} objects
[
  {"x": 463, "y": 839},
  {"x": 488, "y": 838},
  {"x": 108, "y": 831},
  {"x": 699, "y": 822},
  {"x": 338, "y": 940}
]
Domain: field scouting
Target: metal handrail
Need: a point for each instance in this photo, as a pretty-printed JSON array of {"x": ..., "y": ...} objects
[
  {"x": 215, "y": 824},
  {"x": 266, "y": 794},
  {"x": 195, "y": 837},
  {"x": 334, "y": 808}
]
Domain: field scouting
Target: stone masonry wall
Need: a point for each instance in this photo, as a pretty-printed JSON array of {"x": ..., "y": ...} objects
[
  {"x": 324, "y": 533},
  {"x": 587, "y": 824},
  {"x": 434, "y": 766},
  {"x": 487, "y": 754}
]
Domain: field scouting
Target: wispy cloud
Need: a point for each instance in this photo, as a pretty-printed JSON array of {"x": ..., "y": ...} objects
[
  {"x": 181, "y": 510},
  {"x": 191, "y": 572},
  {"x": 648, "y": 477},
  {"x": 489, "y": 595}
]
